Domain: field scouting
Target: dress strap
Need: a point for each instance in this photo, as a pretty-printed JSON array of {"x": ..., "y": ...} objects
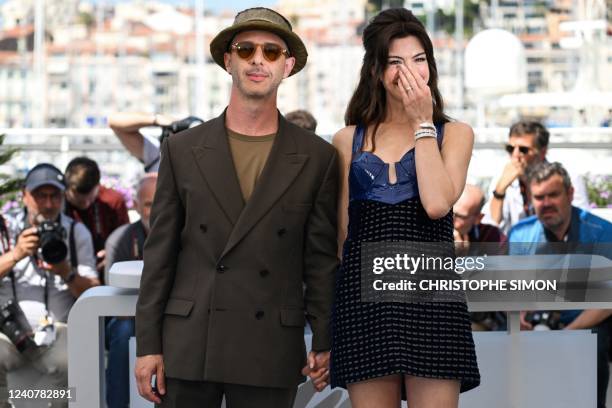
[
  {"x": 358, "y": 139},
  {"x": 440, "y": 131}
]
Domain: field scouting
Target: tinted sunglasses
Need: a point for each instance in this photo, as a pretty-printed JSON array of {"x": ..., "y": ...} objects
[
  {"x": 522, "y": 149},
  {"x": 271, "y": 51}
]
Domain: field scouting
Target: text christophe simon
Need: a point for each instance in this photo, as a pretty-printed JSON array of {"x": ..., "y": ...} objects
[{"x": 405, "y": 263}]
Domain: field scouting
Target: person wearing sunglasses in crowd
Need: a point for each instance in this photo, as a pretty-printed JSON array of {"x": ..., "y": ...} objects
[
  {"x": 242, "y": 248},
  {"x": 508, "y": 200},
  {"x": 403, "y": 166}
]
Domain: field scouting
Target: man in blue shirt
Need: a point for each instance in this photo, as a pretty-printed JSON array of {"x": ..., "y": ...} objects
[{"x": 556, "y": 220}]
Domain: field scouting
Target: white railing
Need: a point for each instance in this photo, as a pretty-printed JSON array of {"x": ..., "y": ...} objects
[{"x": 584, "y": 149}]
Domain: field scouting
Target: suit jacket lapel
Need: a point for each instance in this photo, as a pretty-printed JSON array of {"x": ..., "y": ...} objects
[
  {"x": 215, "y": 165},
  {"x": 282, "y": 167}
]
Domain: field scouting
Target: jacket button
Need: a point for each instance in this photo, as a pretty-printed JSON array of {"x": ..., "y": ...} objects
[
  {"x": 281, "y": 232},
  {"x": 259, "y": 315},
  {"x": 264, "y": 273},
  {"x": 203, "y": 228},
  {"x": 221, "y": 268}
]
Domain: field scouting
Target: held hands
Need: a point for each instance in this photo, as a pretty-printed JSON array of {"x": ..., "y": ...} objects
[
  {"x": 146, "y": 366},
  {"x": 416, "y": 95},
  {"x": 318, "y": 369}
]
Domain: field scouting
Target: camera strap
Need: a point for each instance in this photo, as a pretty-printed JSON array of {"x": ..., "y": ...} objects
[
  {"x": 149, "y": 166},
  {"x": 73, "y": 262},
  {"x": 6, "y": 247},
  {"x": 97, "y": 222}
]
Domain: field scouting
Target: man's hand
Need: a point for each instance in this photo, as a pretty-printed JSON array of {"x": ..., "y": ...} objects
[
  {"x": 318, "y": 369},
  {"x": 27, "y": 244},
  {"x": 146, "y": 366},
  {"x": 511, "y": 172},
  {"x": 101, "y": 257},
  {"x": 525, "y": 325},
  {"x": 462, "y": 243},
  {"x": 62, "y": 269},
  {"x": 163, "y": 120}
]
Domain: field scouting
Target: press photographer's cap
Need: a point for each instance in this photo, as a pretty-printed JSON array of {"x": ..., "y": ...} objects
[
  {"x": 44, "y": 174},
  {"x": 260, "y": 18}
]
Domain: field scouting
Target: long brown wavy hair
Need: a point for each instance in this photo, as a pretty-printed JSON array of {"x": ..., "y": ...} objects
[{"x": 368, "y": 103}]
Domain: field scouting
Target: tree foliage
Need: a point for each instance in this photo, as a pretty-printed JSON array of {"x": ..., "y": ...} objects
[{"x": 8, "y": 184}]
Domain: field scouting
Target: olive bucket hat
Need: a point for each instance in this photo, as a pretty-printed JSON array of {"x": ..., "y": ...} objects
[{"x": 260, "y": 18}]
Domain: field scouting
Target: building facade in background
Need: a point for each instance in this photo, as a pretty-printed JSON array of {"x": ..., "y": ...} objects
[{"x": 140, "y": 56}]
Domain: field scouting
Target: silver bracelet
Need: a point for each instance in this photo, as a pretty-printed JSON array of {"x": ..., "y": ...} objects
[
  {"x": 428, "y": 125},
  {"x": 423, "y": 133}
]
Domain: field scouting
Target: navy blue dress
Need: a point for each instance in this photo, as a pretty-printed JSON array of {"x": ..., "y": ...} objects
[{"x": 372, "y": 340}]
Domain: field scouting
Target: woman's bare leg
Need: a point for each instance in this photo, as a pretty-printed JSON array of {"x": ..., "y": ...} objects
[
  {"x": 431, "y": 392},
  {"x": 382, "y": 392}
]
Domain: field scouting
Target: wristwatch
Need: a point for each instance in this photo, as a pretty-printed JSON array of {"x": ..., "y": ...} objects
[{"x": 499, "y": 196}]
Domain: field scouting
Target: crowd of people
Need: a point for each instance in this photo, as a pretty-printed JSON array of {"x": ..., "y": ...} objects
[{"x": 250, "y": 226}]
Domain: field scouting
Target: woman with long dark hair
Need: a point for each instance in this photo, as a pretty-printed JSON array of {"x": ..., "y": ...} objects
[{"x": 404, "y": 164}]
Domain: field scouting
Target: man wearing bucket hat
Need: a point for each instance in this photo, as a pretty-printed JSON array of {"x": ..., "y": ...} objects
[{"x": 242, "y": 249}]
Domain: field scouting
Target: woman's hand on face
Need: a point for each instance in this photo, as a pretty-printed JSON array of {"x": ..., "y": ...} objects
[{"x": 416, "y": 95}]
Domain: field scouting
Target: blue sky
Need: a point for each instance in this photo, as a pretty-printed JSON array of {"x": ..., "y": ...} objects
[
  {"x": 215, "y": 5},
  {"x": 219, "y": 4}
]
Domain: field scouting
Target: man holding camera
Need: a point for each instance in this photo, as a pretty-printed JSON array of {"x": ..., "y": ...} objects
[{"x": 47, "y": 261}]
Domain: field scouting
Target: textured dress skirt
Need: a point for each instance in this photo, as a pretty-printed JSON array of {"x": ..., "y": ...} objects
[{"x": 376, "y": 339}]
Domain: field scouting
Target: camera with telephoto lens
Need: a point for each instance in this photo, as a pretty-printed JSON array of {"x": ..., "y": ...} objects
[
  {"x": 179, "y": 126},
  {"x": 51, "y": 236},
  {"x": 15, "y": 326}
]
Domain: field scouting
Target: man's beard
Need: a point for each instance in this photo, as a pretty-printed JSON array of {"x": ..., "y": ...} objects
[{"x": 553, "y": 221}]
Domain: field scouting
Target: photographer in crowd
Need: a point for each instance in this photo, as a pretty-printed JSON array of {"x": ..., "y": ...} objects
[
  {"x": 47, "y": 261},
  {"x": 101, "y": 209},
  {"x": 127, "y": 125}
]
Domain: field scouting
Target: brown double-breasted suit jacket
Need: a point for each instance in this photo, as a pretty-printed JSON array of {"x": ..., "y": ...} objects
[{"x": 227, "y": 286}]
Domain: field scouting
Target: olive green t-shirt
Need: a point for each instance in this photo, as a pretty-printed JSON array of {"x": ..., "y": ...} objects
[{"x": 250, "y": 154}]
